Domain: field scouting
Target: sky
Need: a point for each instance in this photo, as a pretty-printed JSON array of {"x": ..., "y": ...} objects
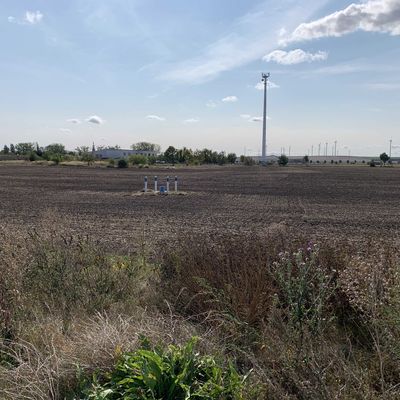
[{"x": 188, "y": 73}]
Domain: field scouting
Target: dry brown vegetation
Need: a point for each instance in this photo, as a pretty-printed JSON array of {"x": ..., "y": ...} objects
[{"x": 312, "y": 309}]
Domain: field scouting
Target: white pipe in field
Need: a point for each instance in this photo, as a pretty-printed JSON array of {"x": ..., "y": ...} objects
[
  {"x": 155, "y": 184},
  {"x": 145, "y": 183},
  {"x": 176, "y": 183},
  {"x": 167, "y": 184}
]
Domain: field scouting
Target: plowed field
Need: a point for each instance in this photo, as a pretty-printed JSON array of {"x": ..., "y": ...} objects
[{"x": 320, "y": 201}]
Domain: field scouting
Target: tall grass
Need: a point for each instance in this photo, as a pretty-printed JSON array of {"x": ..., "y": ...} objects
[{"x": 311, "y": 320}]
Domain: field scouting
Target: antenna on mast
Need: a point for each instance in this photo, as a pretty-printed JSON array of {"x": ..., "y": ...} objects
[{"x": 264, "y": 79}]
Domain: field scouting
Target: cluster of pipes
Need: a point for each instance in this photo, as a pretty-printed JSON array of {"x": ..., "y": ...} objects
[{"x": 162, "y": 188}]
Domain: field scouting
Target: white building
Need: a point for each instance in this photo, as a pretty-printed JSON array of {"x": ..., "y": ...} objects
[{"x": 120, "y": 153}]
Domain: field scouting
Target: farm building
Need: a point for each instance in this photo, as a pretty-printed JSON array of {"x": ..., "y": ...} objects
[{"x": 120, "y": 153}]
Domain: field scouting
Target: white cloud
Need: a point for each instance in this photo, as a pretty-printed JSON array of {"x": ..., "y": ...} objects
[
  {"x": 211, "y": 104},
  {"x": 230, "y": 99},
  {"x": 249, "y": 118},
  {"x": 95, "y": 119},
  {"x": 369, "y": 16},
  {"x": 33, "y": 17},
  {"x": 297, "y": 56},
  {"x": 11, "y": 19},
  {"x": 247, "y": 40},
  {"x": 64, "y": 130},
  {"x": 271, "y": 85},
  {"x": 191, "y": 121},
  {"x": 155, "y": 117},
  {"x": 74, "y": 120}
]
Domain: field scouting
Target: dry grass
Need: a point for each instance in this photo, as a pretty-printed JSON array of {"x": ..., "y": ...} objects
[{"x": 313, "y": 320}]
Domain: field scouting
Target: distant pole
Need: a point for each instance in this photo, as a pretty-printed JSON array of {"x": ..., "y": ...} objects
[
  {"x": 155, "y": 184},
  {"x": 390, "y": 148},
  {"x": 319, "y": 149},
  {"x": 145, "y": 183},
  {"x": 167, "y": 183},
  {"x": 312, "y": 150},
  {"x": 335, "y": 148},
  {"x": 176, "y": 183},
  {"x": 264, "y": 138},
  {"x": 290, "y": 148},
  {"x": 326, "y": 149}
]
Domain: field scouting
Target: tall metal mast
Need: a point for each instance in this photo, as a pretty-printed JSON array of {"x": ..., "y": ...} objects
[{"x": 264, "y": 138}]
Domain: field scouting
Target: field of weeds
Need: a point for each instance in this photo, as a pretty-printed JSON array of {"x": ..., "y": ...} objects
[{"x": 263, "y": 284}]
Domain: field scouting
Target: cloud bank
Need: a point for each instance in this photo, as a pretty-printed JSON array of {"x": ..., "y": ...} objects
[{"x": 370, "y": 16}]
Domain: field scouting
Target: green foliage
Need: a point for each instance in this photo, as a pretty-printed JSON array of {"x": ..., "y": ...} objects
[
  {"x": 175, "y": 373},
  {"x": 306, "y": 159},
  {"x": 247, "y": 160},
  {"x": 372, "y": 163},
  {"x": 283, "y": 160},
  {"x": 111, "y": 162},
  {"x": 6, "y": 149},
  {"x": 304, "y": 288},
  {"x": 33, "y": 156},
  {"x": 137, "y": 159},
  {"x": 122, "y": 163},
  {"x": 24, "y": 148},
  {"x": 12, "y": 149},
  {"x": 146, "y": 146},
  {"x": 170, "y": 155},
  {"x": 231, "y": 158},
  {"x": 384, "y": 158},
  {"x": 55, "y": 149}
]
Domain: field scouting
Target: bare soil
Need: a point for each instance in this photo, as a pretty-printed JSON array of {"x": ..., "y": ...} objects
[{"x": 348, "y": 201}]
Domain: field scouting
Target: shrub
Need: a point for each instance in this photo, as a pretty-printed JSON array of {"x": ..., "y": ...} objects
[
  {"x": 305, "y": 288},
  {"x": 122, "y": 163},
  {"x": 33, "y": 156},
  {"x": 283, "y": 160},
  {"x": 137, "y": 159},
  {"x": 175, "y": 373},
  {"x": 111, "y": 162}
]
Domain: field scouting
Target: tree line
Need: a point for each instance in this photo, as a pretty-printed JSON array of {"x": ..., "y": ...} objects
[{"x": 56, "y": 152}]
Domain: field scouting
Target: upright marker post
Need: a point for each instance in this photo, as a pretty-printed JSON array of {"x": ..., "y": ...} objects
[
  {"x": 167, "y": 184},
  {"x": 145, "y": 183},
  {"x": 155, "y": 184},
  {"x": 176, "y": 183}
]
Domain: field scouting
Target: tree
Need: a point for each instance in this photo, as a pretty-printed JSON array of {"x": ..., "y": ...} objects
[
  {"x": 283, "y": 160},
  {"x": 12, "y": 149},
  {"x": 55, "y": 149},
  {"x": 82, "y": 150},
  {"x": 6, "y": 149},
  {"x": 306, "y": 160},
  {"x": 231, "y": 157},
  {"x": 146, "y": 146},
  {"x": 170, "y": 154},
  {"x": 384, "y": 158},
  {"x": 24, "y": 148}
]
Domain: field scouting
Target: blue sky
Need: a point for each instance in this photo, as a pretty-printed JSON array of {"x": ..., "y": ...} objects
[{"x": 185, "y": 73}]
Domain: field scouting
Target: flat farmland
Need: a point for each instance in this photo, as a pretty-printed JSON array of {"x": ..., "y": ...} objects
[{"x": 351, "y": 201}]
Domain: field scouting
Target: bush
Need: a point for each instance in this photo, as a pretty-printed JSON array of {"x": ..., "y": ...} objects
[
  {"x": 33, "y": 156},
  {"x": 111, "y": 162},
  {"x": 137, "y": 159},
  {"x": 283, "y": 160},
  {"x": 122, "y": 163},
  {"x": 175, "y": 373}
]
